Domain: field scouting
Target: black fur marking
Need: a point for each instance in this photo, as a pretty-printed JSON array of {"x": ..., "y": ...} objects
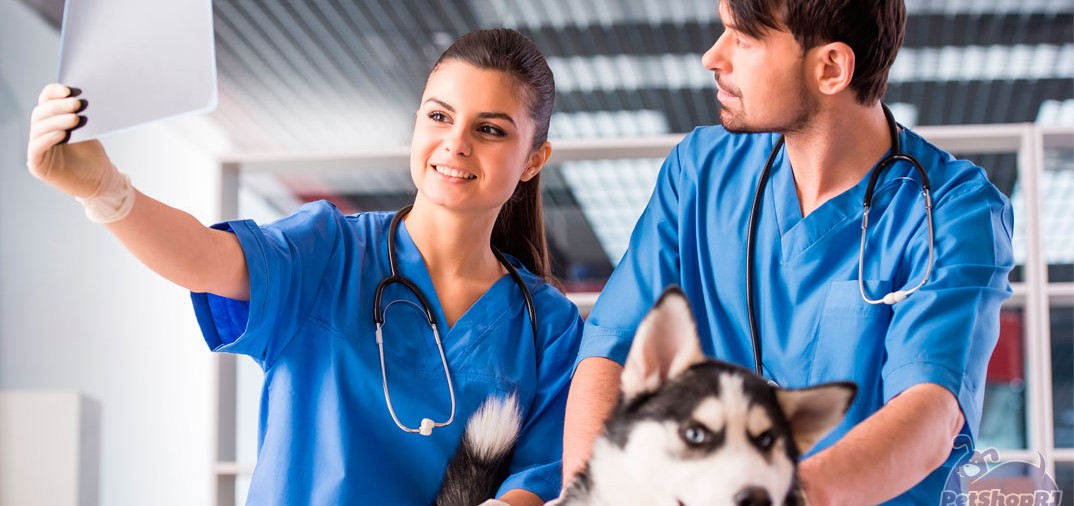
[
  {"x": 763, "y": 441},
  {"x": 580, "y": 487},
  {"x": 470, "y": 480},
  {"x": 679, "y": 398}
]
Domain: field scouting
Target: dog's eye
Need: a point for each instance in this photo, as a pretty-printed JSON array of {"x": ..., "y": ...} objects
[
  {"x": 695, "y": 435},
  {"x": 764, "y": 440}
]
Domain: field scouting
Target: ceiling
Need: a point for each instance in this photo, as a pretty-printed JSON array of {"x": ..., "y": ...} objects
[{"x": 323, "y": 75}]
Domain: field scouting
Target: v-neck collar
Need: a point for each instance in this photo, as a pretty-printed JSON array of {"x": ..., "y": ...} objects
[
  {"x": 487, "y": 308},
  {"x": 798, "y": 233}
]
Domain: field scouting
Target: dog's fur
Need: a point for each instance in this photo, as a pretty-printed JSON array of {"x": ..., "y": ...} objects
[
  {"x": 693, "y": 431},
  {"x": 483, "y": 457},
  {"x": 686, "y": 431}
]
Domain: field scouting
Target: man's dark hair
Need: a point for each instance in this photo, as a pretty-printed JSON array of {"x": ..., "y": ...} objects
[{"x": 872, "y": 28}]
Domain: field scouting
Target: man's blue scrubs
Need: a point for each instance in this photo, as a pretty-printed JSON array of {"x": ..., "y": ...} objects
[{"x": 815, "y": 327}]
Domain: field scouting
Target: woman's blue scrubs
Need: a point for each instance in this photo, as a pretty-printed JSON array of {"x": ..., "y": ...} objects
[
  {"x": 815, "y": 327},
  {"x": 325, "y": 435}
]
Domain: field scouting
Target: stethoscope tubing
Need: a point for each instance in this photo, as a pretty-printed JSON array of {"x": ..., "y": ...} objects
[
  {"x": 427, "y": 424},
  {"x": 751, "y": 242},
  {"x": 874, "y": 177}
]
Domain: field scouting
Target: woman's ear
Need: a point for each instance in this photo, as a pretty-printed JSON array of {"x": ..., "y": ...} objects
[
  {"x": 833, "y": 65},
  {"x": 537, "y": 161}
]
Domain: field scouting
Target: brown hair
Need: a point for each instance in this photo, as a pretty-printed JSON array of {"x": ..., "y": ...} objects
[
  {"x": 519, "y": 229},
  {"x": 874, "y": 29}
]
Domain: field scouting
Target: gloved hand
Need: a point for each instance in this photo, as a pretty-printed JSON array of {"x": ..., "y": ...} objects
[
  {"x": 81, "y": 170},
  {"x": 76, "y": 169},
  {"x": 493, "y": 502}
]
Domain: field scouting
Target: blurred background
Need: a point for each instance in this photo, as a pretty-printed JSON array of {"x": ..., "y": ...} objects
[{"x": 317, "y": 99}]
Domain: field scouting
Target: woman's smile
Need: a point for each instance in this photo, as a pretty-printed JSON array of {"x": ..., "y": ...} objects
[{"x": 453, "y": 173}]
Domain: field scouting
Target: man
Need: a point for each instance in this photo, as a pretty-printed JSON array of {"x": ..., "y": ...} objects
[{"x": 814, "y": 71}]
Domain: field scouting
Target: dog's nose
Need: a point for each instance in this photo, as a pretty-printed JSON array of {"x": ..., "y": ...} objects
[{"x": 753, "y": 496}]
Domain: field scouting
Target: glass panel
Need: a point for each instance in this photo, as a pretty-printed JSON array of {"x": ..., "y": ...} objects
[
  {"x": 1064, "y": 479},
  {"x": 1057, "y": 218},
  {"x": 1062, "y": 319},
  {"x": 1003, "y": 422},
  {"x": 591, "y": 208}
]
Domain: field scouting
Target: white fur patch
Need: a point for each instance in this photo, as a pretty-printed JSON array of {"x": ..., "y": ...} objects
[
  {"x": 493, "y": 428},
  {"x": 757, "y": 421},
  {"x": 710, "y": 412},
  {"x": 665, "y": 345},
  {"x": 733, "y": 396}
]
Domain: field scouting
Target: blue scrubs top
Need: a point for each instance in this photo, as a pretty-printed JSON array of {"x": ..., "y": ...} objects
[
  {"x": 325, "y": 435},
  {"x": 815, "y": 327}
]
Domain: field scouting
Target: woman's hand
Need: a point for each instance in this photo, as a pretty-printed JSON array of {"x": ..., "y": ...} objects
[
  {"x": 76, "y": 169},
  {"x": 167, "y": 240}
]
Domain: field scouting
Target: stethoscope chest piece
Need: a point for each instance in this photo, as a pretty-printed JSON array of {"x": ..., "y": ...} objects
[{"x": 427, "y": 425}]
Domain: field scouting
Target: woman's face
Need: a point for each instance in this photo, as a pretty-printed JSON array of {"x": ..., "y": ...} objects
[{"x": 473, "y": 139}]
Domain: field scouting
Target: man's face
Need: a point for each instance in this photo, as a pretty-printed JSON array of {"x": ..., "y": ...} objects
[{"x": 761, "y": 82}]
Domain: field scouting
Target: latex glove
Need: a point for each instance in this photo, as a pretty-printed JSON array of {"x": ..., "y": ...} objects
[{"x": 78, "y": 169}]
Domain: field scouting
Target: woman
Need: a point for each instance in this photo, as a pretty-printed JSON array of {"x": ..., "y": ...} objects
[{"x": 297, "y": 295}]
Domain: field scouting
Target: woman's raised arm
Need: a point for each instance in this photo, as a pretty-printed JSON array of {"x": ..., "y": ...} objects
[{"x": 167, "y": 240}]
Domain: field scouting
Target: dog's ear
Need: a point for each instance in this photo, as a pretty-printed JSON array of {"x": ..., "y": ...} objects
[
  {"x": 813, "y": 412},
  {"x": 665, "y": 345}
]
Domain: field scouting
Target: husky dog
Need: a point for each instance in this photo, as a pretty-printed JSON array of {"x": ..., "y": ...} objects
[
  {"x": 691, "y": 431},
  {"x": 482, "y": 459}
]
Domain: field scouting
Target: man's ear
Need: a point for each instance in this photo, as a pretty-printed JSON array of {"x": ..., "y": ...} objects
[
  {"x": 832, "y": 66},
  {"x": 813, "y": 412},
  {"x": 665, "y": 345},
  {"x": 537, "y": 161}
]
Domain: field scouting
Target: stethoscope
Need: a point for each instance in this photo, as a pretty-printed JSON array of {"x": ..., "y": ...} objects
[
  {"x": 889, "y": 298},
  {"x": 427, "y": 424}
]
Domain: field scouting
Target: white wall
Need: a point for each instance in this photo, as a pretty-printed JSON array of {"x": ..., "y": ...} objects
[
  {"x": 51, "y": 441},
  {"x": 78, "y": 312}
]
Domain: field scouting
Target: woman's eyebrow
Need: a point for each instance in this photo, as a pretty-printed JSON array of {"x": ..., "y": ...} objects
[
  {"x": 485, "y": 115},
  {"x": 498, "y": 115},
  {"x": 441, "y": 103}
]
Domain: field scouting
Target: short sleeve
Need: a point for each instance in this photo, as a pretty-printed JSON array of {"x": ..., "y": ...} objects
[
  {"x": 537, "y": 462},
  {"x": 286, "y": 261},
  {"x": 945, "y": 332},
  {"x": 650, "y": 264}
]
